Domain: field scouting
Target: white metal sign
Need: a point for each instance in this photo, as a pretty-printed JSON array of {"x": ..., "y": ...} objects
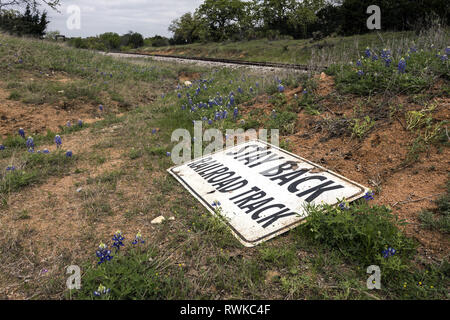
[{"x": 261, "y": 189}]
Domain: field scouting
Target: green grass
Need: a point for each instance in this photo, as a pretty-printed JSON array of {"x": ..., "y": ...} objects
[
  {"x": 195, "y": 256},
  {"x": 439, "y": 218},
  {"x": 304, "y": 51}
]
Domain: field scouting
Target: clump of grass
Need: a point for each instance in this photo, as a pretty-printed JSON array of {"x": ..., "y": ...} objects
[
  {"x": 360, "y": 128},
  {"x": 35, "y": 168},
  {"x": 139, "y": 273},
  {"x": 439, "y": 218},
  {"x": 370, "y": 75}
]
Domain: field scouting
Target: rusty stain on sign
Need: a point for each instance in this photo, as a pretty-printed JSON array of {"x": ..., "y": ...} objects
[{"x": 262, "y": 190}]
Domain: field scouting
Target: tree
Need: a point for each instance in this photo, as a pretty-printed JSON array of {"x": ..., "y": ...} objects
[
  {"x": 4, "y": 4},
  {"x": 222, "y": 16},
  {"x": 188, "y": 29}
]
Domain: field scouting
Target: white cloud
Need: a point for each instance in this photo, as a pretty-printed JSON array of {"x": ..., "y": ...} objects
[{"x": 149, "y": 17}]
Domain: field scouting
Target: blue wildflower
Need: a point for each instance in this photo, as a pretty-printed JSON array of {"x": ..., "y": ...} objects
[
  {"x": 359, "y": 63},
  {"x": 369, "y": 195},
  {"x": 22, "y": 133},
  {"x": 2, "y": 147},
  {"x": 30, "y": 143},
  {"x": 10, "y": 168},
  {"x": 101, "y": 290},
  {"x": 240, "y": 90},
  {"x": 69, "y": 154},
  {"x": 389, "y": 252},
  {"x": 100, "y": 107},
  {"x": 103, "y": 253},
  {"x": 235, "y": 113},
  {"x": 402, "y": 65},
  {"x": 138, "y": 238},
  {"x": 58, "y": 141},
  {"x": 280, "y": 88},
  {"x": 80, "y": 122},
  {"x": 118, "y": 240},
  {"x": 344, "y": 205},
  {"x": 216, "y": 203},
  {"x": 68, "y": 124},
  {"x": 360, "y": 73},
  {"x": 168, "y": 153},
  {"x": 367, "y": 52},
  {"x": 46, "y": 151}
]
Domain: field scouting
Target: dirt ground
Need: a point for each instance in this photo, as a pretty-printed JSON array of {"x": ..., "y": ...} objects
[
  {"x": 57, "y": 228},
  {"x": 377, "y": 161}
]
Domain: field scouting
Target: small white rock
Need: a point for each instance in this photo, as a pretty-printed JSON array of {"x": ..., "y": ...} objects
[
  {"x": 79, "y": 189},
  {"x": 172, "y": 218},
  {"x": 158, "y": 220}
]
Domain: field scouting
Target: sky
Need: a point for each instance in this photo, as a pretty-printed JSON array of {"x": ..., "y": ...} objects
[{"x": 148, "y": 17}]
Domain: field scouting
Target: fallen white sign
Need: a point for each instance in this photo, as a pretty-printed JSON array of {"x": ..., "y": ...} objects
[{"x": 261, "y": 189}]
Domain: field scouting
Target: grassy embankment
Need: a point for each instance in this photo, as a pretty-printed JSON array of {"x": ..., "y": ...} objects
[{"x": 55, "y": 210}]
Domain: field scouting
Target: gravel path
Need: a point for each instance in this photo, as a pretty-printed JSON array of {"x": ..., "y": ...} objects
[{"x": 205, "y": 63}]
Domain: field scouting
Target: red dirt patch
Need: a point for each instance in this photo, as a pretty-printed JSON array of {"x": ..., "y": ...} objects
[{"x": 378, "y": 160}]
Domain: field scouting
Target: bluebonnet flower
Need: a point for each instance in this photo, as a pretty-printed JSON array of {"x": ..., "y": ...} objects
[
  {"x": 367, "y": 52},
  {"x": 257, "y": 84},
  {"x": 359, "y": 63},
  {"x": 235, "y": 113},
  {"x": 103, "y": 253},
  {"x": 101, "y": 290},
  {"x": 45, "y": 151},
  {"x": 385, "y": 53},
  {"x": 232, "y": 100},
  {"x": 118, "y": 240},
  {"x": 216, "y": 203},
  {"x": 22, "y": 133},
  {"x": 239, "y": 89},
  {"x": 374, "y": 57},
  {"x": 388, "y": 62},
  {"x": 100, "y": 107},
  {"x": 210, "y": 121},
  {"x": 138, "y": 238},
  {"x": 360, "y": 73},
  {"x": 2, "y": 147},
  {"x": 10, "y": 168},
  {"x": 280, "y": 88},
  {"x": 58, "y": 141},
  {"x": 389, "y": 252},
  {"x": 68, "y": 124},
  {"x": 80, "y": 122},
  {"x": 251, "y": 90},
  {"x": 30, "y": 143},
  {"x": 168, "y": 153},
  {"x": 179, "y": 95},
  {"x": 344, "y": 205},
  {"x": 369, "y": 195},
  {"x": 444, "y": 58},
  {"x": 274, "y": 113},
  {"x": 402, "y": 65},
  {"x": 413, "y": 49},
  {"x": 305, "y": 91},
  {"x": 69, "y": 153},
  {"x": 153, "y": 131}
]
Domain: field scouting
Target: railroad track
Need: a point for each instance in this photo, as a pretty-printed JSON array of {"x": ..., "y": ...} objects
[{"x": 237, "y": 62}]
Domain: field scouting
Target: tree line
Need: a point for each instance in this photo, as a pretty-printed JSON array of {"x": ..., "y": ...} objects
[
  {"x": 31, "y": 22},
  {"x": 219, "y": 20}
]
